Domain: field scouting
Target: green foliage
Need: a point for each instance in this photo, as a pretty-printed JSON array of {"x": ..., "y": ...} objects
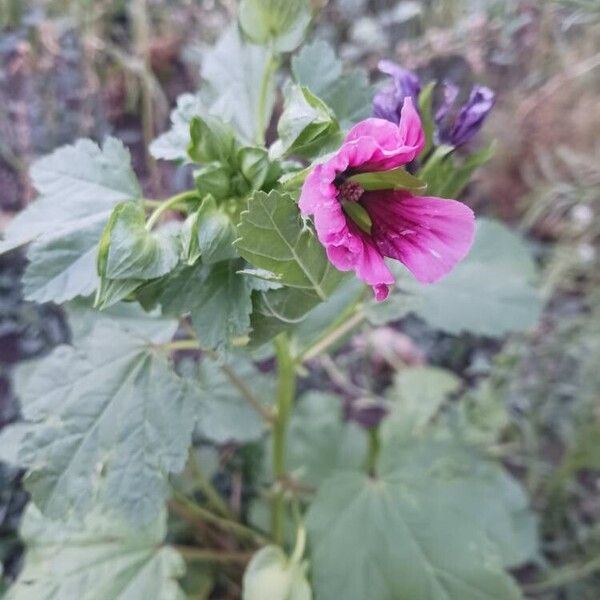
[
  {"x": 233, "y": 71},
  {"x": 355, "y": 525},
  {"x": 208, "y": 233},
  {"x": 274, "y": 237},
  {"x": 96, "y": 558},
  {"x": 277, "y": 23},
  {"x": 100, "y": 428},
  {"x": 221, "y": 307},
  {"x": 417, "y": 396},
  {"x": 349, "y": 95},
  {"x": 271, "y": 574},
  {"x": 225, "y": 416},
  {"x": 447, "y": 176},
  {"x": 173, "y": 144},
  {"x": 129, "y": 251},
  {"x": 394, "y": 179},
  {"x": 320, "y": 442},
  {"x": 79, "y": 186},
  {"x": 307, "y": 126}
]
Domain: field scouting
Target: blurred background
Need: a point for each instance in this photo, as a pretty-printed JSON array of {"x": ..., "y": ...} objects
[{"x": 75, "y": 68}]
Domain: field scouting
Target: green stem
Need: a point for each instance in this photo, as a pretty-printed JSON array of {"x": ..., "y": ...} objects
[
  {"x": 181, "y": 345},
  {"x": 247, "y": 393},
  {"x": 564, "y": 576},
  {"x": 373, "y": 451},
  {"x": 191, "y": 553},
  {"x": 205, "y": 485},
  {"x": 330, "y": 337},
  {"x": 261, "y": 125},
  {"x": 168, "y": 204},
  {"x": 192, "y": 512},
  {"x": 286, "y": 388}
]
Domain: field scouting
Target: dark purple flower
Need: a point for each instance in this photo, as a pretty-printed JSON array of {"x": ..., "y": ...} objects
[
  {"x": 470, "y": 117},
  {"x": 366, "y": 412},
  {"x": 455, "y": 127},
  {"x": 388, "y": 102}
]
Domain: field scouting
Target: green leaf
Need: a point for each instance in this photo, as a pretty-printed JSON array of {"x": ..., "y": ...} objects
[
  {"x": 109, "y": 420},
  {"x": 129, "y": 251},
  {"x": 63, "y": 267},
  {"x": 216, "y": 296},
  {"x": 111, "y": 291},
  {"x": 214, "y": 179},
  {"x": 129, "y": 317},
  {"x": 320, "y": 441},
  {"x": 426, "y": 113},
  {"x": 274, "y": 237},
  {"x": 96, "y": 559},
  {"x": 398, "y": 537},
  {"x": 477, "y": 489},
  {"x": 417, "y": 395},
  {"x": 447, "y": 176},
  {"x": 394, "y": 179},
  {"x": 233, "y": 72},
  {"x": 255, "y": 166},
  {"x": 317, "y": 67},
  {"x": 173, "y": 144},
  {"x": 210, "y": 140},
  {"x": 212, "y": 233},
  {"x": 271, "y": 574},
  {"x": 222, "y": 306},
  {"x": 328, "y": 314},
  {"x": 349, "y": 96},
  {"x": 464, "y": 171},
  {"x": 223, "y": 413},
  {"x": 307, "y": 126},
  {"x": 79, "y": 185},
  {"x": 278, "y": 23},
  {"x": 490, "y": 292}
]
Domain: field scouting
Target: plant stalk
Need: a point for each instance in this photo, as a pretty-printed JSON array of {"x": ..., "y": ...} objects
[
  {"x": 191, "y": 553},
  {"x": 193, "y": 513},
  {"x": 213, "y": 498},
  {"x": 261, "y": 124},
  {"x": 373, "y": 451},
  {"x": 286, "y": 389},
  {"x": 332, "y": 336},
  {"x": 168, "y": 204}
]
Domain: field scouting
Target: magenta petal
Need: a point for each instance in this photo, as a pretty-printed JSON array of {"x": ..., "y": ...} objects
[
  {"x": 358, "y": 253},
  {"x": 428, "y": 235},
  {"x": 385, "y": 145}
]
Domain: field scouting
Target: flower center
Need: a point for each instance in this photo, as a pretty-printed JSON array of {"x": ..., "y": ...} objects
[{"x": 350, "y": 191}]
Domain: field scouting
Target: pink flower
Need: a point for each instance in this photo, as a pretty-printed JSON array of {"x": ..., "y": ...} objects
[{"x": 428, "y": 235}]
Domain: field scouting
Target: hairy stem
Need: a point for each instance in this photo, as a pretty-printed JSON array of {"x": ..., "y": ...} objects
[
  {"x": 286, "y": 388},
  {"x": 168, "y": 204}
]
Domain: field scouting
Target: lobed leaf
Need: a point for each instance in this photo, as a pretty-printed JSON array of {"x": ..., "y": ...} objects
[
  {"x": 274, "y": 237},
  {"x": 96, "y": 558},
  {"x": 109, "y": 420}
]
